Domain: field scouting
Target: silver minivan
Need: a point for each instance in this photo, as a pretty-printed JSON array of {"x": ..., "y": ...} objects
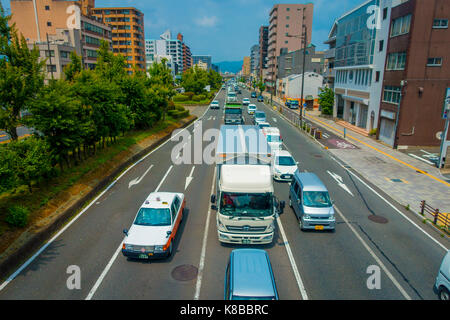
[
  {"x": 249, "y": 276},
  {"x": 311, "y": 203},
  {"x": 442, "y": 284}
]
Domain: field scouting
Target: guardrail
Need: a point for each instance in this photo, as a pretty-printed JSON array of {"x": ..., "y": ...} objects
[{"x": 440, "y": 219}]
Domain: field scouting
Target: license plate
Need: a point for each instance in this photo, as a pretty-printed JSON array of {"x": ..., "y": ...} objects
[
  {"x": 319, "y": 227},
  {"x": 143, "y": 256},
  {"x": 245, "y": 241}
]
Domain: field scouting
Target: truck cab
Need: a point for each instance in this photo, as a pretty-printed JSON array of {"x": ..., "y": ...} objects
[{"x": 245, "y": 201}]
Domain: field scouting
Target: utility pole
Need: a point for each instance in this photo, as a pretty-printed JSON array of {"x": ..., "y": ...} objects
[
  {"x": 305, "y": 29},
  {"x": 50, "y": 56}
]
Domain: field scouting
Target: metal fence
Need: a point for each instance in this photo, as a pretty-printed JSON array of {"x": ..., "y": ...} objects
[{"x": 440, "y": 219}]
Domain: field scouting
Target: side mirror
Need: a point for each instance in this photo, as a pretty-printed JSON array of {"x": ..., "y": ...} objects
[
  {"x": 169, "y": 233},
  {"x": 214, "y": 207},
  {"x": 125, "y": 231},
  {"x": 213, "y": 198},
  {"x": 297, "y": 163}
]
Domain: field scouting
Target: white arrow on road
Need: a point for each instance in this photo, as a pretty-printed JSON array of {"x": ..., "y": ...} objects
[
  {"x": 274, "y": 119},
  {"x": 189, "y": 179},
  {"x": 138, "y": 180},
  {"x": 340, "y": 182}
]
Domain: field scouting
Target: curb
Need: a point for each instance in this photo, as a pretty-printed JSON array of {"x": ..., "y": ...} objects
[{"x": 10, "y": 262}]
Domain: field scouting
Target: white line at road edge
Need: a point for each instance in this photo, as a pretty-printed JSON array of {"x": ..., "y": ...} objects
[
  {"x": 380, "y": 263},
  {"x": 27, "y": 263},
  {"x": 116, "y": 253},
  {"x": 301, "y": 287},
  {"x": 201, "y": 264},
  {"x": 391, "y": 205}
]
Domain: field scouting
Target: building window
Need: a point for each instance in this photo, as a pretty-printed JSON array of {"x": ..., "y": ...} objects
[
  {"x": 47, "y": 8},
  {"x": 286, "y": 42},
  {"x": 381, "y": 45},
  {"x": 396, "y": 61},
  {"x": 64, "y": 54},
  {"x": 377, "y": 76},
  {"x": 391, "y": 94},
  {"x": 287, "y": 17},
  {"x": 440, "y": 24},
  {"x": 287, "y": 26},
  {"x": 288, "y": 9},
  {"x": 401, "y": 26},
  {"x": 49, "y": 24},
  {"x": 51, "y": 68},
  {"x": 434, "y": 62},
  {"x": 50, "y": 53},
  {"x": 385, "y": 12}
]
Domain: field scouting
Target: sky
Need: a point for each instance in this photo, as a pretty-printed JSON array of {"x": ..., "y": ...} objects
[{"x": 224, "y": 29}]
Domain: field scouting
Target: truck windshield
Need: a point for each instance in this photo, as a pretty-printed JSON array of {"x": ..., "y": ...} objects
[
  {"x": 231, "y": 95},
  {"x": 153, "y": 217},
  {"x": 233, "y": 111},
  {"x": 316, "y": 199},
  {"x": 246, "y": 204}
]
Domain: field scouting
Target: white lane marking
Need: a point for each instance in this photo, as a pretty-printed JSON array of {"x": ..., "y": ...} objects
[
  {"x": 340, "y": 182},
  {"x": 390, "y": 204},
  {"x": 189, "y": 178},
  {"x": 45, "y": 246},
  {"x": 298, "y": 278},
  {"x": 116, "y": 253},
  {"x": 420, "y": 158},
  {"x": 274, "y": 119},
  {"x": 201, "y": 264},
  {"x": 139, "y": 179},
  {"x": 379, "y": 262}
]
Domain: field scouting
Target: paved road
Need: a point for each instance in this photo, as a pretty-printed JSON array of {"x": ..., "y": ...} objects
[{"x": 328, "y": 265}]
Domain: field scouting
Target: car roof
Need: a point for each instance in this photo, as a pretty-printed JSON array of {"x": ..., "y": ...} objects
[
  {"x": 252, "y": 105},
  {"x": 252, "y": 275},
  {"x": 310, "y": 181},
  {"x": 161, "y": 199},
  {"x": 282, "y": 153},
  {"x": 260, "y": 112},
  {"x": 272, "y": 130}
]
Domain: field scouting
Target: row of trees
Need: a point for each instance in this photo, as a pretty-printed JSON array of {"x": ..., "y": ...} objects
[
  {"x": 74, "y": 116},
  {"x": 196, "y": 79}
]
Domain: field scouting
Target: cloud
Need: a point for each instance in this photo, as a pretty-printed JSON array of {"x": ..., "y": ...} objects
[{"x": 207, "y": 21}]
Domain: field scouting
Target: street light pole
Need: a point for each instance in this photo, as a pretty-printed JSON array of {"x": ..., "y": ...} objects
[{"x": 305, "y": 28}]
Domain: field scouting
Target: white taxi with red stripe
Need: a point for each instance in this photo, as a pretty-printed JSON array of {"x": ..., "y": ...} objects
[{"x": 155, "y": 226}]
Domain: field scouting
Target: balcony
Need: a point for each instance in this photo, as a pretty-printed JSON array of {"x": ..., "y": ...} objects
[{"x": 330, "y": 54}]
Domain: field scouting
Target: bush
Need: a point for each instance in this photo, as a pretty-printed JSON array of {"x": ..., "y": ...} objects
[
  {"x": 18, "y": 216},
  {"x": 180, "y": 98},
  {"x": 199, "y": 97},
  {"x": 189, "y": 95},
  {"x": 373, "y": 132},
  {"x": 180, "y": 108},
  {"x": 178, "y": 114},
  {"x": 171, "y": 105}
]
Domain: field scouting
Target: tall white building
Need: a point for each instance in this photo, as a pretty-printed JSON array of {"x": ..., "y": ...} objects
[{"x": 166, "y": 46}]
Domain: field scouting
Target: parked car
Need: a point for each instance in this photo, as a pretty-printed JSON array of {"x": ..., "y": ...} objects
[
  {"x": 249, "y": 276},
  {"x": 155, "y": 226},
  {"x": 214, "y": 105},
  {"x": 253, "y": 94},
  {"x": 310, "y": 200},
  {"x": 251, "y": 109},
  {"x": 283, "y": 166},
  {"x": 246, "y": 101},
  {"x": 292, "y": 104},
  {"x": 442, "y": 284},
  {"x": 260, "y": 99}
]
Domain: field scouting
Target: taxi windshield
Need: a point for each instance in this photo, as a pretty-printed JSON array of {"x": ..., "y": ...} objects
[{"x": 153, "y": 217}]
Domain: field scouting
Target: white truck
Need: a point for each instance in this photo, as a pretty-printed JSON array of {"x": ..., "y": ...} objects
[{"x": 245, "y": 202}]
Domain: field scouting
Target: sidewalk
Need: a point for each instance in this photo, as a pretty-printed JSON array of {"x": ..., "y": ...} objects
[{"x": 405, "y": 179}]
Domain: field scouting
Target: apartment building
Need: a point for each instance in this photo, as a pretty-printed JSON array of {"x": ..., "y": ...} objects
[
  {"x": 329, "y": 56},
  {"x": 203, "y": 58},
  {"x": 416, "y": 73},
  {"x": 263, "y": 45},
  {"x": 287, "y": 20},
  {"x": 360, "y": 54},
  {"x": 165, "y": 45},
  {"x": 187, "y": 55},
  {"x": 58, "y": 28},
  {"x": 254, "y": 59},
  {"x": 128, "y": 38},
  {"x": 246, "y": 67}
]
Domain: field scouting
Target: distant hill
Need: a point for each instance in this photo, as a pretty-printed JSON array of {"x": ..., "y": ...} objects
[{"x": 230, "y": 66}]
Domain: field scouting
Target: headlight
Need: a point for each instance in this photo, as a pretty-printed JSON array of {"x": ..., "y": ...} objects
[
  {"x": 306, "y": 216},
  {"x": 331, "y": 217},
  {"x": 159, "y": 248},
  {"x": 271, "y": 227},
  {"x": 128, "y": 246}
]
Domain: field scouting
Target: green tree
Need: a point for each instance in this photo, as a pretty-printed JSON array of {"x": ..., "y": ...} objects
[
  {"x": 21, "y": 75},
  {"x": 261, "y": 86},
  {"x": 194, "y": 80},
  {"x": 74, "y": 67},
  {"x": 326, "y": 100},
  {"x": 160, "y": 86}
]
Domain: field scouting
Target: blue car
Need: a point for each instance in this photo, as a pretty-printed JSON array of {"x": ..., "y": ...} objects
[{"x": 249, "y": 276}]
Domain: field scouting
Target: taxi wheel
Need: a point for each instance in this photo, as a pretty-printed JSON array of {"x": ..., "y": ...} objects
[{"x": 290, "y": 202}]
